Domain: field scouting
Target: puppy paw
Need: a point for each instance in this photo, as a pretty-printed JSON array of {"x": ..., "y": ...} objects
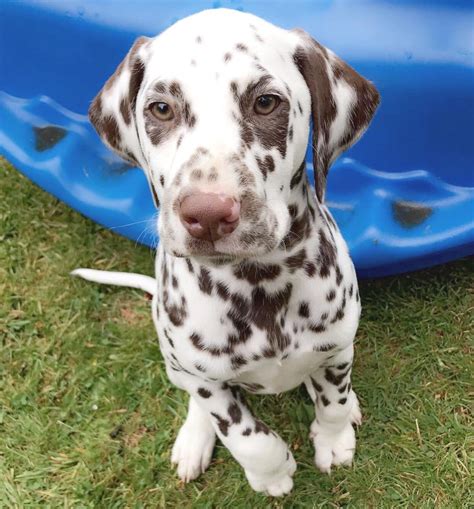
[
  {"x": 335, "y": 446},
  {"x": 276, "y": 483},
  {"x": 192, "y": 451}
]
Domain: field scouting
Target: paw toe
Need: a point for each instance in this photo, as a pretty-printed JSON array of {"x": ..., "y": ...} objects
[
  {"x": 192, "y": 454},
  {"x": 280, "y": 488}
]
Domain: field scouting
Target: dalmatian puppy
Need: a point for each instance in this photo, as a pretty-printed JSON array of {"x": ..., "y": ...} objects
[{"x": 255, "y": 289}]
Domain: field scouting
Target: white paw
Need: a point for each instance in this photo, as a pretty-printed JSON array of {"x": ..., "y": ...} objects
[
  {"x": 335, "y": 446},
  {"x": 192, "y": 451},
  {"x": 277, "y": 483}
]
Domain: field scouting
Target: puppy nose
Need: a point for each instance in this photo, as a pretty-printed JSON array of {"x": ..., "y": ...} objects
[{"x": 209, "y": 216}]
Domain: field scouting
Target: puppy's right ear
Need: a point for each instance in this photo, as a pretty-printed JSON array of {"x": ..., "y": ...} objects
[{"x": 112, "y": 111}]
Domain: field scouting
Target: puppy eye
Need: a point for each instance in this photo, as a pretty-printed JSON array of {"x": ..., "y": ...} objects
[
  {"x": 265, "y": 104},
  {"x": 162, "y": 111}
]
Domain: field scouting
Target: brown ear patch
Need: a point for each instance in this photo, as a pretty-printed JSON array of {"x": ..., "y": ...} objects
[
  {"x": 323, "y": 72},
  {"x": 105, "y": 124},
  {"x": 108, "y": 121},
  {"x": 125, "y": 110},
  {"x": 136, "y": 78}
]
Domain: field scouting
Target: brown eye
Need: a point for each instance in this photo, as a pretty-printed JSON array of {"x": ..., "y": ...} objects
[
  {"x": 162, "y": 111},
  {"x": 265, "y": 104}
]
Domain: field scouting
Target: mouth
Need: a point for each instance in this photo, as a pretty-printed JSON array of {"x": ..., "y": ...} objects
[{"x": 211, "y": 257}]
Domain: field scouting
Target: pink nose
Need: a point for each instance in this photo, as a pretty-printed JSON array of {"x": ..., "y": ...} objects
[{"x": 209, "y": 216}]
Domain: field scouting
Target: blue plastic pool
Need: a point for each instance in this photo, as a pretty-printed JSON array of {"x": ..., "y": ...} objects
[{"x": 403, "y": 196}]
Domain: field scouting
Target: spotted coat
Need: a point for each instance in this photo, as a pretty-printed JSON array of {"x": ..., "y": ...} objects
[{"x": 274, "y": 304}]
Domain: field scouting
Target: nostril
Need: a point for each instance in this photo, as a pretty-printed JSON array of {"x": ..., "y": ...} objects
[
  {"x": 234, "y": 212},
  {"x": 190, "y": 220}
]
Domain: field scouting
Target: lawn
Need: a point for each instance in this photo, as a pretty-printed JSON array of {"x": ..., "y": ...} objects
[{"x": 88, "y": 417}]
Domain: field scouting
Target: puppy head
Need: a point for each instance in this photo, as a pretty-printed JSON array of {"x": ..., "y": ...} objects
[{"x": 216, "y": 110}]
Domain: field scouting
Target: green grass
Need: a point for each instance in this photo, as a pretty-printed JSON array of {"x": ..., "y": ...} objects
[{"x": 88, "y": 417}]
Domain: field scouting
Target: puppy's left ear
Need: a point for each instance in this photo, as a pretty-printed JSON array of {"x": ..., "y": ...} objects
[
  {"x": 112, "y": 112},
  {"x": 342, "y": 104}
]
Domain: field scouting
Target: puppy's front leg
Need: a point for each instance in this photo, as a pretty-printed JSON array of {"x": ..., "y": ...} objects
[
  {"x": 337, "y": 409},
  {"x": 192, "y": 450},
  {"x": 266, "y": 459}
]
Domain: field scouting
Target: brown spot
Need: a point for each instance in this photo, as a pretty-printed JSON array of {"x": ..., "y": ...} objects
[
  {"x": 176, "y": 312},
  {"x": 316, "y": 385},
  {"x": 342, "y": 389},
  {"x": 189, "y": 117},
  {"x": 222, "y": 291},
  {"x": 255, "y": 273},
  {"x": 205, "y": 281},
  {"x": 300, "y": 229},
  {"x": 303, "y": 310},
  {"x": 223, "y": 424},
  {"x": 324, "y": 348},
  {"x": 125, "y": 110},
  {"x": 317, "y": 327},
  {"x": 265, "y": 307},
  {"x": 310, "y": 268},
  {"x": 334, "y": 379},
  {"x": 196, "y": 174},
  {"x": 268, "y": 353},
  {"x": 237, "y": 362},
  {"x": 298, "y": 176},
  {"x": 204, "y": 393},
  {"x": 326, "y": 256},
  {"x": 235, "y": 413},
  {"x": 296, "y": 261},
  {"x": 266, "y": 165},
  {"x": 338, "y": 316},
  {"x": 199, "y": 344},
  {"x": 241, "y": 47},
  {"x": 260, "y": 427}
]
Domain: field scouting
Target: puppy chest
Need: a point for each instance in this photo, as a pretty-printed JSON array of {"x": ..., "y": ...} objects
[{"x": 272, "y": 376}]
